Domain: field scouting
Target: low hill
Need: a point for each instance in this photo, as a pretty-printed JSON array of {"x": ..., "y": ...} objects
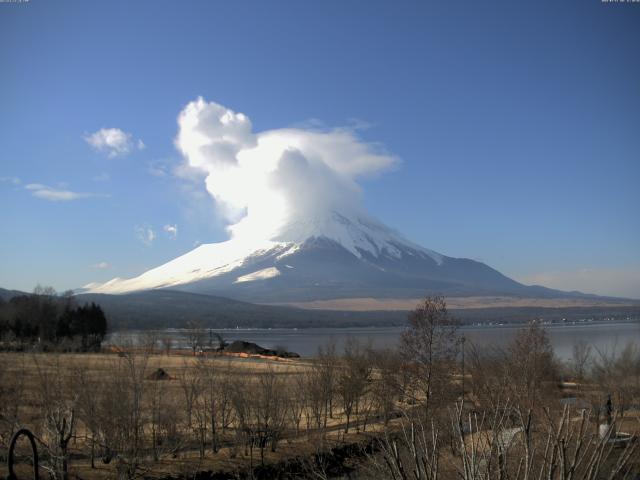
[
  {"x": 7, "y": 295},
  {"x": 175, "y": 309}
]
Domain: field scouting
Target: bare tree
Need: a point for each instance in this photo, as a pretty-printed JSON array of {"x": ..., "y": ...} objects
[
  {"x": 219, "y": 338},
  {"x": 201, "y": 417},
  {"x": 261, "y": 411},
  {"x": 163, "y": 411},
  {"x": 580, "y": 359},
  {"x": 296, "y": 398},
  {"x": 59, "y": 404},
  {"x": 225, "y": 410},
  {"x": 121, "y": 411},
  {"x": 495, "y": 445},
  {"x": 212, "y": 401},
  {"x": 532, "y": 367},
  {"x": 195, "y": 336},
  {"x": 412, "y": 452},
  {"x": 315, "y": 390},
  {"x": 618, "y": 375},
  {"x": 387, "y": 384},
  {"x": 628, "y": 373},
  {"x": 325, "y": 365},
  {"x": 353, "y": 379},
  {"x": 190, "y": 387},
  {"x": 489, "y": 376},
  {"x": 89, "y": 391},
  {"x": 430, "y": 346}
]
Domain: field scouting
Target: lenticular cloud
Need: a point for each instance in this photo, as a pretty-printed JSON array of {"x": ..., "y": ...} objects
[{"x": 263, "y": 182}]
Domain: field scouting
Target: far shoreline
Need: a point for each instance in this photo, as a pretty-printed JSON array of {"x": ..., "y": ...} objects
[
  {"x": 461, "y": 326},
  {"x": 604, "y": 335}
]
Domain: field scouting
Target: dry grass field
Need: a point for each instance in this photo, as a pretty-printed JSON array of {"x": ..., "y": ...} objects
[
  {"x": 135, "y": 413},
  {"x": 406, "y": 304},
  {"x": 74, "y": 372}
]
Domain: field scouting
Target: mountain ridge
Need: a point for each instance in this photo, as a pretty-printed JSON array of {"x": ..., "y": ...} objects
[{"x": 330, "y": 256}]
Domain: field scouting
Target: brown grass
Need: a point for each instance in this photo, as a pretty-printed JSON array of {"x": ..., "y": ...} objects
[
  {"x": 394, "y": 304},
  {"x": 99, "y": 365}
]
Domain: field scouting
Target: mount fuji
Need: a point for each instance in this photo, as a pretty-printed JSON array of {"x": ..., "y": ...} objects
[
  {"x": 300, "y": 234},
  {"x": 336, "y": 255}
]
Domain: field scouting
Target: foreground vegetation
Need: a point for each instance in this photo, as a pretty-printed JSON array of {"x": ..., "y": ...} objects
[{"x": 436, "y": 408}]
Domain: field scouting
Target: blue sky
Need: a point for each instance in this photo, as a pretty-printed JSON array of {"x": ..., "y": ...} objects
[{"x": 517, "y": 125}]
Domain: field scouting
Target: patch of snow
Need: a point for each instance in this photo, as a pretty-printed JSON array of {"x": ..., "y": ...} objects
[
  {"x": 292, "y": 249},
  {"x": 259, "y": 275}
]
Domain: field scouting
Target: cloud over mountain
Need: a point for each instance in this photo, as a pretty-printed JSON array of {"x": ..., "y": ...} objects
[{"x": 264, "y": 181}]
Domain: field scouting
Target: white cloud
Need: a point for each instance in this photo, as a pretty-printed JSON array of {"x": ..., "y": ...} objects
[
  {"x": 12, "y": 180},
  {"x": 145, "y": 234},
  {"x": 172, "y": 230},
  {"x": 624, "y": 282},
  {"x": 53, "y": 194},
  {"x": 101, "y": 265},
  {"x": 113, "y": 142},
  {"x": 263, "y": 182}
]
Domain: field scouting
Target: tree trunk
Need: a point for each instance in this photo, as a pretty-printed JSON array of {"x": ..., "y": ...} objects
[{"x": 214, "y": 435}]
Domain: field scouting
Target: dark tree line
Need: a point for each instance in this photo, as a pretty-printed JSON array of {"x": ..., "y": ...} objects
[{"x": 48, "y": 319}]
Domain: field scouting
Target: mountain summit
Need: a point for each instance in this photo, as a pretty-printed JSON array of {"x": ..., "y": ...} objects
[{"x": 336, "y": 255}]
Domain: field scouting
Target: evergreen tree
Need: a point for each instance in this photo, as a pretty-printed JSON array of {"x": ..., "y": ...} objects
[{"x": 46, "y": 318}]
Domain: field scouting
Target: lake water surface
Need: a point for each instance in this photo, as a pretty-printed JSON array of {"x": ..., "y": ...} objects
[{"x": 604, "y": 336}]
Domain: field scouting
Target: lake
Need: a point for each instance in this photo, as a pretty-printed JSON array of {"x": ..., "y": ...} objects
[{"x": 604, "y": 336}]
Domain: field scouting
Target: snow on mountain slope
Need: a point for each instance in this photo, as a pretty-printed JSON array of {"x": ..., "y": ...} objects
[
  {"x": 202, "y": 262},
  {"x": 358, "y": 234},
  {"x": 332, "y": 256},
  {"x": 263, "y": 274}
]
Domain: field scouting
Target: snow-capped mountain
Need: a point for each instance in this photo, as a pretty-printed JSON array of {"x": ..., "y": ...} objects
[{"x": 332, "y": 256}]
